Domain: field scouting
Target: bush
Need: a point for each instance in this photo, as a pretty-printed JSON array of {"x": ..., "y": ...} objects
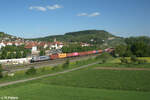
[
  {"x": 104, "y": 55},
  {"x": 31, "y": 71},
  {"x": 124, "y": 60},
  {"x": 55, "y": 68},
  {"x": 1, "y": 70},
  {"x": 142, "y": 61},
  {"x": 66, "y": 64},
  {"x": 134, "y": 59},
  {"x": 43, "y": 69},
  {"x": 103, "y": 61}
]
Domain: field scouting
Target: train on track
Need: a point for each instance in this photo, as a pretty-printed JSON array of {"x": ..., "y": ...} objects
[{"x": 67, "y": 55}]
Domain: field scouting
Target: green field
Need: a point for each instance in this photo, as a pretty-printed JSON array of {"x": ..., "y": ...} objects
[
  {"x": 40, "y": 91},
  {"x": 103, "y": 79},
  {"x": 86, "y": 84}
]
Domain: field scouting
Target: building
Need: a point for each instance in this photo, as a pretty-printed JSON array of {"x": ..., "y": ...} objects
[
  {"x": 32, "y": 46},
  {"x": 2, "y": 45},
  {"x": 56, "y": 45},
  {"x": 85, "y": 44}
]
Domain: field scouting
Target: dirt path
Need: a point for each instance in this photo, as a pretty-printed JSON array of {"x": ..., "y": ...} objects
[
  {"x": 117, "y": 68},
  {"x": 48, "y": 75}
]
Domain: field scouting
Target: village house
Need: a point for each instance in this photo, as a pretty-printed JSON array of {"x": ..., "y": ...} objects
[
  {"x": 85, "y": 44},
  {"x": 56, "y": 45},
  {"x": 3, "y": 44},
  {"x": 32, "y": 46}
]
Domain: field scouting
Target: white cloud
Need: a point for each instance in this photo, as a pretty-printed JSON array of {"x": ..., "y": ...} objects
[
  {"x": 56, "y": 6},
  {"x": 94, "y": 14},
  {"x": 82, "y": 14},
  {"x": 89, "y": 15},
  {"x": 39, "y": 8}
]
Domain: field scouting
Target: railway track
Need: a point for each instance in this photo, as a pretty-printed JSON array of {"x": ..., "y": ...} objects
[{"x": 15, "y": 68}]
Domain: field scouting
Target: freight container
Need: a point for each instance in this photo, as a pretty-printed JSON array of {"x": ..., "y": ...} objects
[
  {"x": 75, "y": 54},
  {"x": 100, "y": 51},
  {"x": 70, "y": 55},
  {"x": 62, "y": 55},
  {"x": 94, "y": 51},
  {"x": 89, "y": 52},
  {"x": 54, "y": 56},
  {"x": 82, "y": 53}
]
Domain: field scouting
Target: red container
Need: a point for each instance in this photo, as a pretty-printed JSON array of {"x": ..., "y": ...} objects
[
  {"x": 89, "y": 52},
  {"x": 82, "y": 53},
  {"x": 70, "y": 55},
  {"x": 100, "y": 51},
  {"x": 54, "y": 56}
]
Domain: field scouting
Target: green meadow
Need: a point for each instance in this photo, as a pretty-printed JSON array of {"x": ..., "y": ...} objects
[{"x": 86, "y": 84}]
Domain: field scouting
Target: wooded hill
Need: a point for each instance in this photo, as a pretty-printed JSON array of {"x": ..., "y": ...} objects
[
  {"x": 88, "y": 36},
  {"x": 7, "y": 37}
]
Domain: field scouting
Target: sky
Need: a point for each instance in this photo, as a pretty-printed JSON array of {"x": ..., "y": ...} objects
[{"x": 39, "y": 18}]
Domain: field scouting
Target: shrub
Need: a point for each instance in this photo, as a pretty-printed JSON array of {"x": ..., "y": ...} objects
[
  {"x": 43, "y": 69},
  {"x": 55, "y": 68},
  {"x": 31, "y": 71},
  {"x": 124, "y": 60},
  {"x": 103, "y": 61},
  {"x": 104, "y": 55},
  {"x": 140, "y": 61},
  {"x": 66, "y": 64},
  {"x": 134, "y": 59},
  {"x": 1, "y": 70}
]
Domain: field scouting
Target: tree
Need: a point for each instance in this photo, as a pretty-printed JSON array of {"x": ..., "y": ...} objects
[
  {"x": 121, "y": 50},
  {"x": 4, "y": 54},
  {"x": 139, "y": 46},
  {"x": 42, "y": 52},
  {"x": 1, "y": 70},
  {"x": 140, "y": 49},
  {"x": 18, "y": 54},
  {"x": 11, "y": 55},
  {"x": 24, "y": 54}
]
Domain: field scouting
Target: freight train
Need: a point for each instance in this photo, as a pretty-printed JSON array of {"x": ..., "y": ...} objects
[{"x": 67, "y": 55}]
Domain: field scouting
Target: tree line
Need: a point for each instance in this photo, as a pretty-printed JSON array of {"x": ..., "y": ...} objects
[
  {"x": 13, "y": 51},
  {"x": 77, "y": 48},
  {"x": 137, "y": 46}
]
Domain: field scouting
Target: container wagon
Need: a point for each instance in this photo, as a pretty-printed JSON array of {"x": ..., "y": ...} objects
[
  {"x": 72, "y": 54},
  {"x": 54, "y": 56},
  {"x": 62, "y": 55}
]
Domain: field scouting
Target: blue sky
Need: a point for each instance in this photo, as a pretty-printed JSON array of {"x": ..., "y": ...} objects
[{"x": 36, "y": 18}]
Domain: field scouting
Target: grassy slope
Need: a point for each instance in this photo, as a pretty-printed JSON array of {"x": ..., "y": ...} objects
[
  {"x": 46, "y": 70},
  {"x": 40, "y": 91}
]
